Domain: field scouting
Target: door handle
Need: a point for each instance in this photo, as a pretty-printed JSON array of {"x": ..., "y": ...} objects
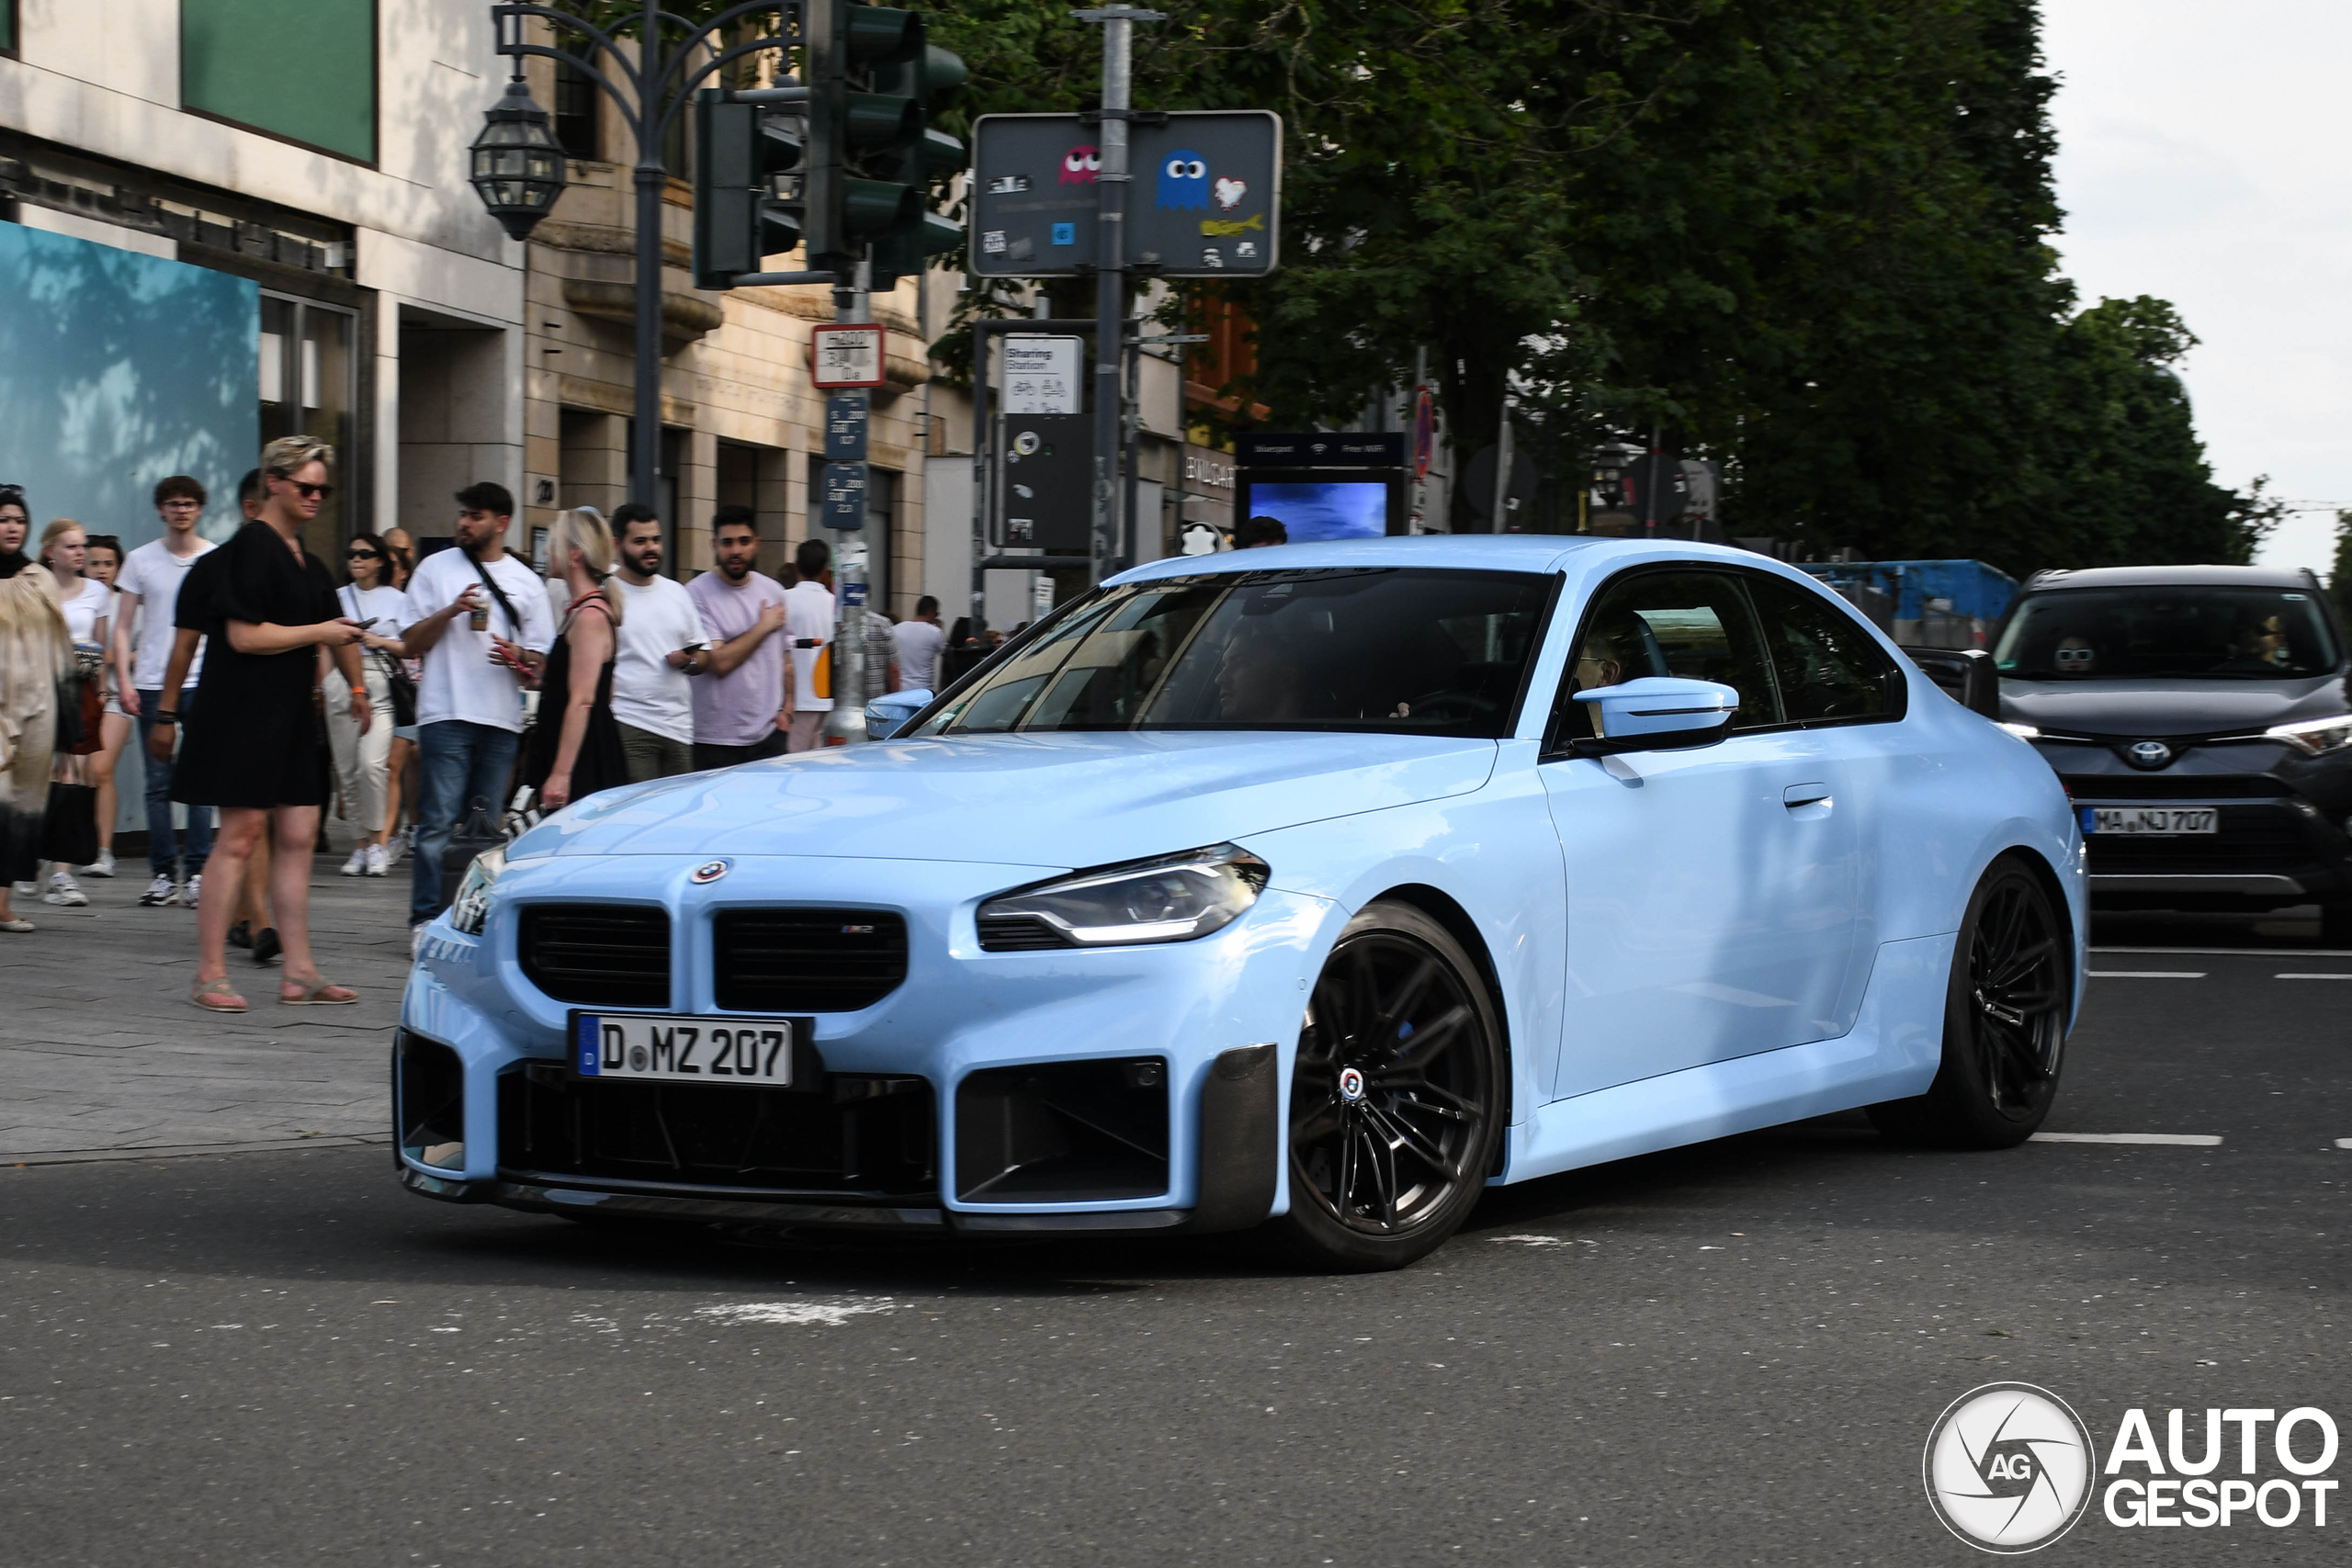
[{"x": 1800, "y": 795}]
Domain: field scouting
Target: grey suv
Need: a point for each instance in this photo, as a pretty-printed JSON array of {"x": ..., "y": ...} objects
[{"x": 2198, "y": 716}]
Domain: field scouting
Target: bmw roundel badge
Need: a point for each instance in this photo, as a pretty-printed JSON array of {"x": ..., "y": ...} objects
[{"x": 709, "y": 871}]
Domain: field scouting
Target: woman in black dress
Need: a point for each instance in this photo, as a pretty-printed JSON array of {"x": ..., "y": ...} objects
[
  {"x": 576, "y": 742},
  {"x": 257, "y": 745}
]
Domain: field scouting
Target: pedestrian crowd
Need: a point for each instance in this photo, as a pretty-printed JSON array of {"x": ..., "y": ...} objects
[{"x": 409, "y": 697}]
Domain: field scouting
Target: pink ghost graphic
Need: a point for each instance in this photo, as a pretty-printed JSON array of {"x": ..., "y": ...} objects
[{"x": 1081, "y": 164}]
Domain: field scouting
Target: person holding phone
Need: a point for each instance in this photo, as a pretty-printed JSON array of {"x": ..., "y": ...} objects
[
  {"x": 363, "y": 758},
  {"x": 664, "y": 643}
]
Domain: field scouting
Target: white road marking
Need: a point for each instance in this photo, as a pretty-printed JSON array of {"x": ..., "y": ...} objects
[
  {"x": 2230, "y": 952},
  {"x": 2312, "y": 976},
  {"x": 2200, "y": 1140},
  {"x": 2146, "y": 974},
  {"x": 833, "y": 1314}
]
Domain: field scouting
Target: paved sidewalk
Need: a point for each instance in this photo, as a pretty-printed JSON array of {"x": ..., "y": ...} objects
[{"x": 102, "y": 1056}]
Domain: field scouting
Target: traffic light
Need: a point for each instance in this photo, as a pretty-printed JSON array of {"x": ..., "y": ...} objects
[
  {"x": 930, "y": 79},
  {"x": 739, "y": 217},
  {"x": 874, "y": 79}
]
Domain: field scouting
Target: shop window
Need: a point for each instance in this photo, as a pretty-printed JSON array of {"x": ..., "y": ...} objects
[
  {"x": 308, "y": 387},
  {"x": 302, "y": 69},
  {"x": 576, "y": 104}
]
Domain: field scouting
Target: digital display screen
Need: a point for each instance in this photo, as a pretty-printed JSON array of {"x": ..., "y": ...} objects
[{"x": 1323, "y": 509}]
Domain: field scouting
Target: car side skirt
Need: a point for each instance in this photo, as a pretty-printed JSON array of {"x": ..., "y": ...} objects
[{"x": 1890, "y": 1053}]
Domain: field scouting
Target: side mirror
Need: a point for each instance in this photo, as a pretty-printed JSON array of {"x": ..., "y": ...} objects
[
  {"x": 1967, "y": 675},
  {"x": 886, "y": 716},
  {"x": 1658, "y": 713}
]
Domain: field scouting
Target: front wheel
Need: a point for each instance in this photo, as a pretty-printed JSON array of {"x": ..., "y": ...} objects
[
  {"x": 1398, "y": 1097},
  {"x": 2005, "y": 1022}
]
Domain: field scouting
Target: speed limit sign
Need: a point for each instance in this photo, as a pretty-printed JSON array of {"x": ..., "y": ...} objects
[{"x": 846, "y": 355}]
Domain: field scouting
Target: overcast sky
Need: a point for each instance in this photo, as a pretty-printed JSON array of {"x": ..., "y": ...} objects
[{"x": 2201, "y": 159}]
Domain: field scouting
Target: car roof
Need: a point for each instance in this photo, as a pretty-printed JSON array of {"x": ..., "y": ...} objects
[
  {"x": 2170, "y": 576},
  {"x": 1492, "y": 552}
]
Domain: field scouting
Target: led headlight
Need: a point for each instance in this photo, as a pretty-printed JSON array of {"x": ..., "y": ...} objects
[
  {"x": 2316, "y": 737},
  {"x": 471, "y": 906},
  {"x": 1172, "y": 898}
]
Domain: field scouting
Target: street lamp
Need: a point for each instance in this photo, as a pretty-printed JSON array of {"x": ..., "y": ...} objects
[{"x": 518, "y": 168}]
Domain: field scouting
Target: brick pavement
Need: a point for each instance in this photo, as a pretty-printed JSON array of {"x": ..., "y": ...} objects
[{"x": 102, "y": 1056}]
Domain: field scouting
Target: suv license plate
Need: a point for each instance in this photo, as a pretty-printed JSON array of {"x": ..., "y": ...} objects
[
  {"x": 668, "y": 1049},
  {"x": 2155, "y": 821}
]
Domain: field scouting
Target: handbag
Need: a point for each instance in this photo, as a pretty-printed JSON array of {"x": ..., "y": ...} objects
[
  {"x": 69, "y": 829},
  {"x": 397, "y": 684},
  {"x": 81, "y": 716},
  {"x": 821, "y": 672}
]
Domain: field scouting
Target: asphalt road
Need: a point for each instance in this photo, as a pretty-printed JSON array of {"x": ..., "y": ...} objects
[{"x": 1728, "y": 1354}]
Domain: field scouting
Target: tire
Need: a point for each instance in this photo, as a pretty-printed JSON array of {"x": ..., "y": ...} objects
[
  {"x": 1390, "y": 1142},
  {"x": 2005, "y": 1023}
]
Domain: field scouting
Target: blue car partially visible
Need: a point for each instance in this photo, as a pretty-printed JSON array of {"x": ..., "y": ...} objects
[{"x": 1318, "y": 887}]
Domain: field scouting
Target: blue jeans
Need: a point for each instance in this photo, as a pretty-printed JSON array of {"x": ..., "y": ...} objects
[
  {"x": 163, "y": 842},
  {"x": 461, "y": 762}
]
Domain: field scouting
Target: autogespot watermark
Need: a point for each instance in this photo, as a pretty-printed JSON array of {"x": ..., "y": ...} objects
[{"x": 2009, "y": 1467}]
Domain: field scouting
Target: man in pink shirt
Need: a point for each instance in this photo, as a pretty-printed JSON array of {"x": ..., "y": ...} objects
[{"x": 744, "y": 707}]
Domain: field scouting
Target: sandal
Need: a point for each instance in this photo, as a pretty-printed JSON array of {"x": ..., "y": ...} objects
[
  {"x": 218, "y": 995},
  {"x": 314, "y": 993}
]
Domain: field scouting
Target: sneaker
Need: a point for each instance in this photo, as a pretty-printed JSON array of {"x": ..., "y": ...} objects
[
  {"x": 62, "y": 890},
  {"x": 378, "y": 860},
  {"x": 159, "y": 892},
  {"x": 357, "y": 863},
  {"x": 397, "y": 845},
  {"x": 102, "y": 867},
  {"x": 189, "y": 892}
]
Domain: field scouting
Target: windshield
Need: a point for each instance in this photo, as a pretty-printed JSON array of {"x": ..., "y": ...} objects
[
  {"x": 2200, "y": 632},
  {"x": 1411, "y": 652}
]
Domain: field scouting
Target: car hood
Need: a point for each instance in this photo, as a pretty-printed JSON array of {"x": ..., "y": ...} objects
[
  {"x": 2154, "y": 708},
  {"x": 1057, "y": 800}
]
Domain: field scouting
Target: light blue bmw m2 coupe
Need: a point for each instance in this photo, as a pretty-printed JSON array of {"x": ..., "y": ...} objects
[{"x": 1319, "y": 886}]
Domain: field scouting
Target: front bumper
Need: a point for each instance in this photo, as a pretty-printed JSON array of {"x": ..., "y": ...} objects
[
  {"x": 2282, "y": 836},
  {"x": 962, "y": 1069}
]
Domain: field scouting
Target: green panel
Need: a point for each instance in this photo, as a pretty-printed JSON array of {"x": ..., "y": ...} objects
[
  {"x": 7, "y": 24},
  {"x": 301, "y": 69}
]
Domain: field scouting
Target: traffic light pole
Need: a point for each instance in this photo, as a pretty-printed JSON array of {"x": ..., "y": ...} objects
[
  {"x": 847, "y": 720},
  {"x": 1111, "y": 271}
]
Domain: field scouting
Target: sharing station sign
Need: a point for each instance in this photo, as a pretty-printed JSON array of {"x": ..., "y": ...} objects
[{"x": 1204, "y": 201}]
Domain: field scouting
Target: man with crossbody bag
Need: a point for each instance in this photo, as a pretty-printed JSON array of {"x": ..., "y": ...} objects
[{"x": 478, "y": 619}]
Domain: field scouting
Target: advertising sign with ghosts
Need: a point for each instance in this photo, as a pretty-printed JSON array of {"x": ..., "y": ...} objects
[{"x": 1204, "y": 201}]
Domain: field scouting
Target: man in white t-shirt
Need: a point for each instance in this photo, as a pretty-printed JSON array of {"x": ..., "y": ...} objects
[
  {"x": 476, "y": 642},
  {"x": 150, "y": 585},
  {"x": 808, "y": 621},
  {"x": 662, "y": 645},
  {"x": 917, "y": 643}
]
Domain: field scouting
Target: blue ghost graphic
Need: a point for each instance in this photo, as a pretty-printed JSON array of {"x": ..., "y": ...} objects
[{"x": 1183, "y": 179}]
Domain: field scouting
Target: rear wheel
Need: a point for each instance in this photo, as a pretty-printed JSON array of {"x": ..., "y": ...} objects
[
  {"x": 1396, "y": 1098},
  {"x": 2005, "y": 1023}
]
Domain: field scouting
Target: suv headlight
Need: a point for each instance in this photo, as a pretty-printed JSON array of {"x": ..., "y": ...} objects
[
  {"x": 471, "y": 906},
  {"x": 2316, "y": 737},
  {"x": 1172, "y": 898}
]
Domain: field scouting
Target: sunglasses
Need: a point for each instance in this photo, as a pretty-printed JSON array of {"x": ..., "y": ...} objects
[
  {"x": 313, "y": 492},
  {"x": 2075, "y": 655},
  {"x": 363, "y": 555},
  {"x": 12, "y": 492}
]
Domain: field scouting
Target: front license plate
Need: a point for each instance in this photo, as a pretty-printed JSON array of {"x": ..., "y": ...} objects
[
  {"x": 2156, "y": 821},
  {"x": 752, "y": 1051}
]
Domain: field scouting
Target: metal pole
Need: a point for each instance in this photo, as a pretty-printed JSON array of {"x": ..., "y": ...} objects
[
  {"x": 1111, "y": 291},
  {"x": 1503, "y": 465},
  {"x": 847, "y": 720},
  {"x": 645, "y": 455},
  {"x": 1130, "y": 524}
]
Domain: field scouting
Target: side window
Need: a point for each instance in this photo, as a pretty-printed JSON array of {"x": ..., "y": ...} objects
[
  {"x": 1693, "y": 624},
  {"x": 1829, "y": 669}
]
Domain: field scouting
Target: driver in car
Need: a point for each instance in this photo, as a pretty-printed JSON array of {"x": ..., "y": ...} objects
[
  {"x": 2075, "y": 657},
  {"x": 1262, "y": 677}
]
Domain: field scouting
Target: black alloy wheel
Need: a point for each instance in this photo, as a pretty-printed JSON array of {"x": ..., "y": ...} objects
[
  {"x": 2005, "y": 1022},
  {"x": 1398, "y": 1095}
]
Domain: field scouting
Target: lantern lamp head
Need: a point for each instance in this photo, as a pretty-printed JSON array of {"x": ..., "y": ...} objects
[{"x": 517, "y": 165}]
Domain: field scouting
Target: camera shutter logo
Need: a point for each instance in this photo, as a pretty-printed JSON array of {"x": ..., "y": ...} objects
[{"x": 2008, "y": 1468}]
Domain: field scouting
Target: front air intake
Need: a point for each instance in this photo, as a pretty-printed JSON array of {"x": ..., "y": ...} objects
[{"x": 1063, "y": 1132}]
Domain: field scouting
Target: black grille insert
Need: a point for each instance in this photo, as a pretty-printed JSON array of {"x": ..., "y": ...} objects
[
  {"x": 1017, "y": 933},
  {"x": 597, "y": 955},
  {"x": 858, "y": 1137},
  {"x": 807, "y": 960}
]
